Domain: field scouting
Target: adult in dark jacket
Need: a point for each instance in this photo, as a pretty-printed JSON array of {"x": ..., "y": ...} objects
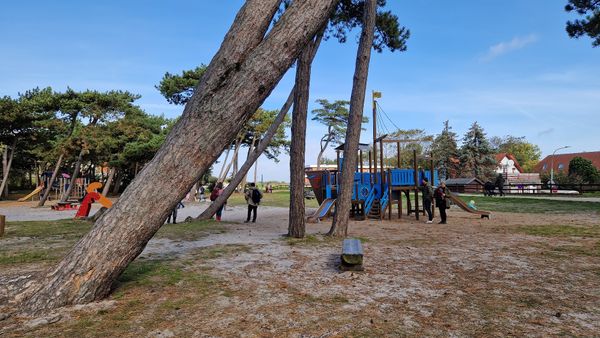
[
  {"x": 440, "y": 200},
  {"x": 253, "y": 197},
  {"x": 500, "y": 184},
  {"x": 427, "y": 193}
]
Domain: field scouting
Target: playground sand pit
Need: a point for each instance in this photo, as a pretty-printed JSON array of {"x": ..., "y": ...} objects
[{"x": 515, "y": 274}]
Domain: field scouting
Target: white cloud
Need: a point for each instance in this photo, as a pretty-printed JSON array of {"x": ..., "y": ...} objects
[{"x": 508, "y": 46}]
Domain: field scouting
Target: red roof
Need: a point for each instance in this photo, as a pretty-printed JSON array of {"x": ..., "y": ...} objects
[
  {"x": 501, "y": 156},
  {"x": 561, "y": 161}
]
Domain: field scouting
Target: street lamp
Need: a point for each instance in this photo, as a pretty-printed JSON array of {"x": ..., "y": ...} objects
[{"x": 552, "y": 166}]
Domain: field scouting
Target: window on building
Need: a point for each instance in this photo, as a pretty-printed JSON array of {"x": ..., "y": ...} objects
[
  {"x": 561, "y": 166},
  {"x": 545, "y": 166}
]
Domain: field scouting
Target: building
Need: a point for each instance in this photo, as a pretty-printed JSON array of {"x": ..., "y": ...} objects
[
  {"x": 561, "y": 161},
  {"x": 462, "y": 185},
  {"x": 507, "y": 164}
]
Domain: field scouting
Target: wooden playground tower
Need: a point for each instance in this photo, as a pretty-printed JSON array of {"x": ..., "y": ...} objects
[{"x": 376, "y": 188}]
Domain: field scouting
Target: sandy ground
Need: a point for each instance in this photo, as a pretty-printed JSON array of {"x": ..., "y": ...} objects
[{"x": 471, "y": 277}]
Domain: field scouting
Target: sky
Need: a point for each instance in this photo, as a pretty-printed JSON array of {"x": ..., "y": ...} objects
[{"x": 509, "y": 65}]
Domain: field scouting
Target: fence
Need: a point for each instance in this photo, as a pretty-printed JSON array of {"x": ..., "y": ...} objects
[{"x": 533, "y": 189}]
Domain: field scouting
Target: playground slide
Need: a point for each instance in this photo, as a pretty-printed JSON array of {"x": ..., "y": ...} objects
[
  {"x": 465, "y": 207},
  {"x": 324, "y": 210},
  {"x": 36, "y": 191}
]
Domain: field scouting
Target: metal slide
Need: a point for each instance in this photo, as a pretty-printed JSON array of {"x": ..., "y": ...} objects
[
  {"x": 324, "y": 210},
  {"x": 37, "y": 190},
  {"x": 465, "y": 207}
]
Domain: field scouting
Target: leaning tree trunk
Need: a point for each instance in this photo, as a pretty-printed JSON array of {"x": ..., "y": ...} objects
[
  {"x": 65, "y": 197},
  {"x": 233, "y": 158},
  {"x": 339, "y": 226},
  {"x": 224, "y": 163},
  {"x": 262, "y": 145},
  {"x": 109, "y": 179},
  {"x": 239, "y": 78},
  {"x": 242, "y": 185},
  {"x": 48, "y": 188},
  {"x": 320, "y": 156},
  {"x": 6, "y": 165}
]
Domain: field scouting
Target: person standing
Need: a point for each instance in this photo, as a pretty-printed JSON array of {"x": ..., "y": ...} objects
[
  {"x": 174, "y": 213},
  {"x": 440, "y": 201},
  {"x": 500, "y": 184},
  {"x": 253, "y": 197},
  {"x": 202, "y": 191},
  {"x": 216, "y": 192},
  {"x": 427, "y": 193}
]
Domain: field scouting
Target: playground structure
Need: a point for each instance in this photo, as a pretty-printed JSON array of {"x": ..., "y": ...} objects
[
  {"x": 91, "y": 197},
  {"x": 59, "y": 187},
  {"x": 376, "y": 189}
]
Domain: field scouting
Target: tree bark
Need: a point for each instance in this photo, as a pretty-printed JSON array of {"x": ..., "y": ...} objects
[
  {"x": 6, "y": 165},
  {"x": 109, "y": 179},
  {"x": 117, "y": 186},
  {"x": 262, "y": 145},
  {"x": 237, "y": 81},
  {"x": 48, "y": 188},
  {"x": 224, "y": 163},
  {"x": 235, "y": 152},
  {"x": 339, "y": 226},
  {"x": 320, "y": 156},
  {"x": 296, "y": 222},
  {"x": 65, "y": 197}
]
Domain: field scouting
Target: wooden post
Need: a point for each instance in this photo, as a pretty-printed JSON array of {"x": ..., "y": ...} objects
[
  {"x": 2, "y": 224},
  {"x": 398, "y": 152},
  {"x": 416, "y": 176},
  {"x": 370, "y": 169},
  {"x": 400, "y": 204},
  {"x": 382, "y": 166},
  {"x": 337, "y": 153},
  {"x": 360, "y": 155},
  {"x": 432, "y": 171},
  {"x": 375, "y": 137},
  {"x": 390, "y": 194}
]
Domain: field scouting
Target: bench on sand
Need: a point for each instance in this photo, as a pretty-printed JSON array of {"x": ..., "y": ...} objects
[{"x": 352, "y": 255}]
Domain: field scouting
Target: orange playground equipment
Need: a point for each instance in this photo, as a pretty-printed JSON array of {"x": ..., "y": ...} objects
[{"x": 91, "y": 197}]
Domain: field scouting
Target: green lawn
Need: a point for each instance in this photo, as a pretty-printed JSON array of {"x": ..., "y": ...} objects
[
  {"x": 280, "y": 198},
  {"x": 532, "y": 205},
  {"x": 48, "y": 241}
]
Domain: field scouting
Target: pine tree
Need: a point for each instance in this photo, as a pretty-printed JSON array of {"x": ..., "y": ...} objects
[
  {"x": 476, "y": 154},
  {"x": 445, "y": 152}
]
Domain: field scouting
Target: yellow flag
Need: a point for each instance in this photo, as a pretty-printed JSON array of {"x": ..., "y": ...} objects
[{"x": 376, "y": 95}]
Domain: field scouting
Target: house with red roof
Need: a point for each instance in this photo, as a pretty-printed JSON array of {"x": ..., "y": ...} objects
[
  {"x": 517, "y": 180},
  {"x": 561, "y": 161},
  {"x": 507, "y": 164}
]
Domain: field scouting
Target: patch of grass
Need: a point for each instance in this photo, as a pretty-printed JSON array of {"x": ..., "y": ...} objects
[
  {"x": 312, "y": 240},
  {"x": 561, "y": 230},
  {"x": 217, "y": 251},
  {"x": 189, "y": 231},
  {"x": 569, "y": 251},
  {"x": 532, "y": 205},
  {"x": 160, "y": 274},
  {"x": 530, "y": 301},
  {"x": 591, "y": 194},
  {"x": 579, "y": 250},
  {"x": 280, "y": 198},
  {"x": 66, "y": 229},
  {"x": 32, "y": 256}
]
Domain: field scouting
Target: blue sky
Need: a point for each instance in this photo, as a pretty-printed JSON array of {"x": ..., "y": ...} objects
[{"x": 507, "y": 64}]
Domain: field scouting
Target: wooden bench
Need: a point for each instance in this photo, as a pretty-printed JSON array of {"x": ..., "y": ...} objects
[{"x": 352, "y": 255}]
